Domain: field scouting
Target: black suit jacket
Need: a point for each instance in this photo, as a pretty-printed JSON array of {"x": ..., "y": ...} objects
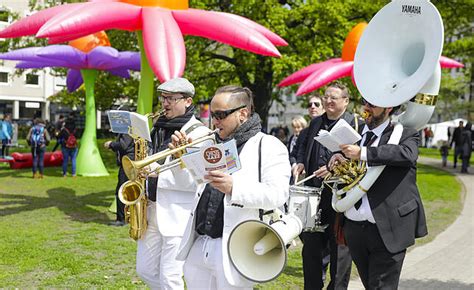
[{"x": 394, "y": 198}]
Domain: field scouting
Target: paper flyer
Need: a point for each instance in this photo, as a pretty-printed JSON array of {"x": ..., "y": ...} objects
[
  {"x": 342, "y": 133},
  {"x": 222, "y": 157}
]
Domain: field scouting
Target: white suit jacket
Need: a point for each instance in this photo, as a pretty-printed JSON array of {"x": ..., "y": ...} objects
[
  {"x": 176, "y": 190},
  {"x": 248, "y": 195}
]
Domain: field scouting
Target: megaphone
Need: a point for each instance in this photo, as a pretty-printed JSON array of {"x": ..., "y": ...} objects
[
  {"x": 397, "y": 59},
  {"x": 258, "y": 250}
]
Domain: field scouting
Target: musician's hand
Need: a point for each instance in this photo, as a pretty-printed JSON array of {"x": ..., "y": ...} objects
[
  {"x": 220, "y": 181},
  {"x": 339, "y": 158},
  {"x": 321, "y": 172},
  {"x": 107, "y": 144},
  {"x": 351, "y": 151},
  {"x": 179, "y": 138},
  {"x": 297, "y": 170}
]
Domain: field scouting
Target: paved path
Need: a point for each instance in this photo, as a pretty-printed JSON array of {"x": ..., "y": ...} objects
[{"x": 448, "y": 261}]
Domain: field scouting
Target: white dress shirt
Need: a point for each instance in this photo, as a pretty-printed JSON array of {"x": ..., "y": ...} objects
[{"x": 364, "y": 213}]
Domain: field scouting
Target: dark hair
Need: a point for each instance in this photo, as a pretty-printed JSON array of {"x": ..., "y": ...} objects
[
  {"x": 70, "y": 124},
  {"x": 394, "y": 110},
  {"x": 37, "y": 121},
  {"x": 240, "y": 96},
  {"x": 342, "y": 87}
]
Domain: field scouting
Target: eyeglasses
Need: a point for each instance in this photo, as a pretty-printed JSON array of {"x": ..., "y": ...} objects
[
  {"x": 221, "y": 115},
  {"x": 333, "y": 98},
  {"x": 316, "y": 104},
  {"x": 365, "y": 103},
  {"x": 170, "y": 99}
]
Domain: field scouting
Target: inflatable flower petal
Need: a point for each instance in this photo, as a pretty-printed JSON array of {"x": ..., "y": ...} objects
[
  {"x": 70, "y": 21},
  {"x": 100, "y": 58},
  {"x": 74, "y": 80}
]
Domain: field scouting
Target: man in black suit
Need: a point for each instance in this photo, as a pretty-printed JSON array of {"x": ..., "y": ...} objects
[
  {"x": 457, "y": 141},
  {"x": 389, "y": 217},
  {"x": 312, "y": 158}
]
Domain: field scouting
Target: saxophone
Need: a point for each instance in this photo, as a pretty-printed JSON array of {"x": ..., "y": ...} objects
[{"x": 132, "y": 193}]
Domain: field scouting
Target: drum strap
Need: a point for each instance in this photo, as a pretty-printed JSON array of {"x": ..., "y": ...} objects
[{"x": 261, "y": 212}]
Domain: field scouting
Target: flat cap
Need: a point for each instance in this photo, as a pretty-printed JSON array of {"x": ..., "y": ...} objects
[{"x": 177, "y": 85}]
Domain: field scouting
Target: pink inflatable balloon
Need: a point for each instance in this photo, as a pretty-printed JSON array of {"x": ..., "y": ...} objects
[
  {"x": 164, "y": 43},
  {"x": 447, "y": 62},
  {"x": 325, "y": 75},
  {"x": 305, "y": 72}
]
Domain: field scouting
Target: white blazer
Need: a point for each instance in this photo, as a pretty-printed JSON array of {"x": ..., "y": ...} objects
[
  {"x": 248, "y": 195},
  {"x": 176, "y": 190}
]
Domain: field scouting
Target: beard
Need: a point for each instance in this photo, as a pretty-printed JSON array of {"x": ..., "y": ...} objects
[{"x": 375, "y": 120}]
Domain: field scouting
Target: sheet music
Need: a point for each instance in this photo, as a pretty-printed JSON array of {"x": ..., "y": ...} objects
[
  {"x": 342, "y": 133},
  {"x": 121, "y": 121}
]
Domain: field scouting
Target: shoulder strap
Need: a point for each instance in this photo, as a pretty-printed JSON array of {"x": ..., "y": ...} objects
[
  {"x": 261, "y": 212},
  {"x": 192, "y": 127}
]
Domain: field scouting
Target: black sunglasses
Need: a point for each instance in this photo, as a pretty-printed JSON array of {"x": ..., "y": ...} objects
[
  {"x": 220, "y": 115},
  {"x": 316, "y": 104},
  {"x": 365, "y": 103}
]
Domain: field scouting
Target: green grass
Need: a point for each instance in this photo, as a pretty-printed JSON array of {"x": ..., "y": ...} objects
[
  {"x": 54, "y": 231},
  {"x": 434, "y": 153}
]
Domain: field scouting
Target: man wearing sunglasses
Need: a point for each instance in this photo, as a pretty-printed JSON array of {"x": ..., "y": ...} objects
[
  {"x": 261, "y": 183},
  {"x": 312, "y": 159},
  {"x": 171, "y": 193},
  {"x": 387, "y": 219}
]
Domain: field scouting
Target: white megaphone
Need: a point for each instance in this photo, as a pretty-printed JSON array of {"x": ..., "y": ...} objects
[
  {"x": 397, "y": 62},
  {"x": 258, "y": 250},
  {"x": 397, "y": 59}
]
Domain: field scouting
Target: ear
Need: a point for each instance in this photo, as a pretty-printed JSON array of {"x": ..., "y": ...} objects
[
  {"x": 188, "y": 102},
  {"x": 244, "y": 114}
]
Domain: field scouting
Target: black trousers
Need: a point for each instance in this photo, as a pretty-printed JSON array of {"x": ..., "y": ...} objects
[
  {"x": 314, "y": 245},
  {"x": 122, "y": 178},
  {"x": 378, "y": 268}
]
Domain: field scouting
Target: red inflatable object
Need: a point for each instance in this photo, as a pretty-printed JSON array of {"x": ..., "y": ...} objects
[{"x": 25, "y": 160}]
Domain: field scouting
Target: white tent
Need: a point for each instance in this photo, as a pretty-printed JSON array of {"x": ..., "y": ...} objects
[{"x": 440, "y": 130}]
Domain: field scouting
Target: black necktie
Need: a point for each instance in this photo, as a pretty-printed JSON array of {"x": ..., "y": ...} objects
[{"x": 369, "y": 139}]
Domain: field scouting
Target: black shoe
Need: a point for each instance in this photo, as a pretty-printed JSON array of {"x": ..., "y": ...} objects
[{"x": 117, "y": 223}]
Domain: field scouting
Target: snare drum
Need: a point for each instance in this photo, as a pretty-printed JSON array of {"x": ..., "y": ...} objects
[{"x": 304, "y": 203}]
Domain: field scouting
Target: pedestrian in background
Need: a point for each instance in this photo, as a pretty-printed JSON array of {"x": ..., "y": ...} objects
[
  {"x": 6, "y": 134},
  {"x": 457, "y": 141},
  {"x": 444, "y": 151},
  {"x": 58, "y": 126},
  {"x": 466, "y": 145},
  {"x": 38, "y": 138},
  {"x": 67, "y": 137}
]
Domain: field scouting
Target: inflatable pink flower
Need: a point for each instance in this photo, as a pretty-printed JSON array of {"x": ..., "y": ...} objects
[
  {"x": 160, "y": 25},
  {"x": 320, "y": 74}
]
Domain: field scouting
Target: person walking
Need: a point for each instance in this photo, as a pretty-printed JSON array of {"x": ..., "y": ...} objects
[
  {"x": 6, "y": 134},
  {"x": 58, "y": 126},
  {"x": 38, "y": 138},
  {"x": 69, "y": 146},
  {"x": 466, "y": 145},
  {"x": 457, "y": 141}
]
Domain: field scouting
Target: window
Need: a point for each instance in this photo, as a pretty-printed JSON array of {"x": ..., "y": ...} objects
[
  {"x": 32, "y": 79},
  {"x": 3, "y": 77}
]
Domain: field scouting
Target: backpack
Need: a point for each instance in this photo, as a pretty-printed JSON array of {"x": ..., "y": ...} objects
[
  {"x": 71, "y": 141},
  {"x": 37, "y": 136}
]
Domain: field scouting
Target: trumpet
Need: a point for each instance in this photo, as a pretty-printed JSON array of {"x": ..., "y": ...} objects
[{"x": 133, "y": 169}]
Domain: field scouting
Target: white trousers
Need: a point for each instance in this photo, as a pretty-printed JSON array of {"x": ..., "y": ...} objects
[
  {"x": 203, "y": 268},
  {"x": 156, "y": 256}
]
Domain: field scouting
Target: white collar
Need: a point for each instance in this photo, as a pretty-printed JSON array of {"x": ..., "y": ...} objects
[{"x": 377, "y": 130}]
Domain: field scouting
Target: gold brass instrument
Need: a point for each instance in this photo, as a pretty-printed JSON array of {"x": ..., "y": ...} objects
[
  {"x": 133, "y": 197},
  {"x": 133, "y": 169}
]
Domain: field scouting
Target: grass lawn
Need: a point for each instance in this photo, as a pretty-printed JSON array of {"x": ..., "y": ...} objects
[
  {"x": 434, "y": 153},
  {"x": 54, "y": 231}
]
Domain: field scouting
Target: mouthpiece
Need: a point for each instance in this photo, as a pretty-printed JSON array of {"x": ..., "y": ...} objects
[{"x": 365, "y": 114}]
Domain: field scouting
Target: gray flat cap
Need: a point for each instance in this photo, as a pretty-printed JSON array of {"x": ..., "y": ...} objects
[{"x": 177, "y": 85}]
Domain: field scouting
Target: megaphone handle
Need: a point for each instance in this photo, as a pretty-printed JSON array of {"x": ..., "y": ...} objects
[{"x": 305, "y": 179}]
